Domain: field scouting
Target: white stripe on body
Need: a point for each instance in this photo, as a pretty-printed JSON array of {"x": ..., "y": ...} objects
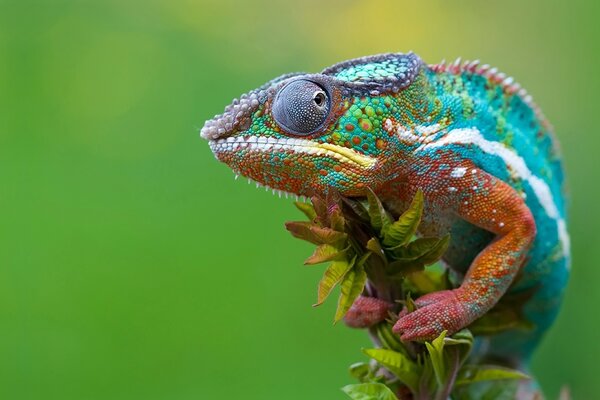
[{"x": 519, "y": 167}]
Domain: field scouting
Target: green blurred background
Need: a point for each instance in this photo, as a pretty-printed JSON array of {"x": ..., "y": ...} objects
[{"x": 133, "y": 266}]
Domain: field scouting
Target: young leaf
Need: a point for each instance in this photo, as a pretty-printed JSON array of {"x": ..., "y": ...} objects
[
  {"x": 436, "y": 353},
  {"x": 426, "y": 282},
  {"x": 478, "y": 373},
  {"x": 463, "y": 340},
  {"x": 361, "y": 371},
  {"x": 379, "y": 217},
  {"x": 427, "y": 384},
  {"x": 307, "y": 209},
  {"x": 326, "y": 252},
  {"x": 400, "y": 365},
  {"x": 369, "y": 391},
  {"x": 352, "y": 285},
  {"x": 374, "y": 245},
  {"x": 389, "y": 339},
  {"x": 400, "y": 269},
  {"x": 315, "y": 234},
  {"x": 401, "y": 231},
  {"x": 436, "y": 252},
  {"x": 410, "y": 303},
  {"x": 332, "y": 276},
  {"x": 427, "y": 250},
  {"x": 338, "y": 222},
  {"x": 363, "y": 259},
  {"x": 501, "y": 390},
  {"x": 320, "y": 207}
]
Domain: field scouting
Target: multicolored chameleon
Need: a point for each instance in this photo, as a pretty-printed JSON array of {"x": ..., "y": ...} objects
[{"x": 466, "y": 135}]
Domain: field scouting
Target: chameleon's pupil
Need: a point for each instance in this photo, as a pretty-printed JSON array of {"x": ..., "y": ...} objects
[
  {"x": 301, "y": 107},
  {"x": 319, "y": 98}
]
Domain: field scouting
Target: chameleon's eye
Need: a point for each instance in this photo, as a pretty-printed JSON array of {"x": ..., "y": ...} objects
[{"x": 301, "y": 107}]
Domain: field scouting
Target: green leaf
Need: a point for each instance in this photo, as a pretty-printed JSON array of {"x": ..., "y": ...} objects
[
  {"x": 380, "y": 220},
  {"x": 415, "y": 249},
  {"x": 501, "y": 390},
  {"x": 361, "y": 371},
  {"x": 402, "y": 230},
  {"x": 416, "y": 255},
  {"x": 374, "y": 245},
  {"x": 436, "y": 252},
  {"x": 401, "y": 269},
  {"x": 369, "y": 391},
  {"x": 426, "y": 282},
  {"x": 352, "y": 285},
  {"x": 427, "y": 384},
  {"x": 326, "y": 252},
  {"x": 463, "y": 340},
  {"x": 307, "y": 209},
  {"x": 479, "y": 373},
  {"x": 436, "y": 353},
  {"x": 404, "y": 368},
  {"x": 425, "y": 250},
  {"x": 363, "y": 259},
  {"x": 389, "y": 339},
  {"x": 332, "y": 276},
  {"x": 315, "y": 234},
  {"x": 410, "y": 303}
]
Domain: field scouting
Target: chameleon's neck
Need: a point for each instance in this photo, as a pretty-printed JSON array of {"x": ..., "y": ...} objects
[
  {"x": 418, "y": 113},
  {"x": 421, "y": 113}
]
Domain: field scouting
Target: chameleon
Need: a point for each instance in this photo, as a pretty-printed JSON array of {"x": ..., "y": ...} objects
[{"x": 466, "y": 135}]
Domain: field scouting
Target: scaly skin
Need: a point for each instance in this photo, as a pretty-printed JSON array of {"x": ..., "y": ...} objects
[{"x": 466, "y": 135}]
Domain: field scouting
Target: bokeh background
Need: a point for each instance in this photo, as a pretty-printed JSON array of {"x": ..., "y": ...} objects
[{"x": 133, "y": 266}]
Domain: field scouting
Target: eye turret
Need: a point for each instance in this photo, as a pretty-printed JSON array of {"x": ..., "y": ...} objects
[{"x": 301, "y": 107}]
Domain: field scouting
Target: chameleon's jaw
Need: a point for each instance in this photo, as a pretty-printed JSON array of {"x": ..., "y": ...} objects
[{"x": 293, "y": 165}]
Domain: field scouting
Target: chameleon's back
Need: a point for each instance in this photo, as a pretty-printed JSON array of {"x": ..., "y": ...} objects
[{"x": 504, "y": 133}]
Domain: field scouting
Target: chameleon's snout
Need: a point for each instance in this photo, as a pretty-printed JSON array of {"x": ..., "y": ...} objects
[{"x": 236, "y": 117}]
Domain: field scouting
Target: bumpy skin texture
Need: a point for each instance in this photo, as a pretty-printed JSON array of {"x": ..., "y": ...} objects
[
  {"x": 366, "y": 312},
  {"x": 466, "y": 135}
]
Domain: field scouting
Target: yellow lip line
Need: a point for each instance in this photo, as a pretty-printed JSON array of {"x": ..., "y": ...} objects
[
  {"x": 262, "y": 143},
  {"x": 363, "y": 161}
]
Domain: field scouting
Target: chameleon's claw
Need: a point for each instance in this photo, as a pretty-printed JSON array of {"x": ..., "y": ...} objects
[
  {"x": 366, "y": 312},
  {"x": 438, "y": 312}
]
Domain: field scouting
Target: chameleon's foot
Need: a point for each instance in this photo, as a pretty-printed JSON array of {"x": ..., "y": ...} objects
[
  {"x": 366, "y": 312},
  {"x": 435, "y": 313}
]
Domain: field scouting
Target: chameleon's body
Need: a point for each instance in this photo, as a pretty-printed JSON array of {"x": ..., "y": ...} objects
[{"x": 466, "y": 135}]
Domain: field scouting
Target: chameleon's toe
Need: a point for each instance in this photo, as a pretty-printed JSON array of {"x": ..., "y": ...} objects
[
  {"x": 366, "y": 312},
  {"x": 446, "y": 313}
]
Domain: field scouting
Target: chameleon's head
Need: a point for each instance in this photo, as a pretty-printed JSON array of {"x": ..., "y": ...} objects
[{"x": 304, "y": 133}]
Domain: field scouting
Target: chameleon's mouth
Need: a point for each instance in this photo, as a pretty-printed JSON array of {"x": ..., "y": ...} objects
[{"x": 264, "y": 143}]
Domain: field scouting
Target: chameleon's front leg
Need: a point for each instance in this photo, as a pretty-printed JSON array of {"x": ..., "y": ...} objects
[{"x": 491, "y": 204}]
